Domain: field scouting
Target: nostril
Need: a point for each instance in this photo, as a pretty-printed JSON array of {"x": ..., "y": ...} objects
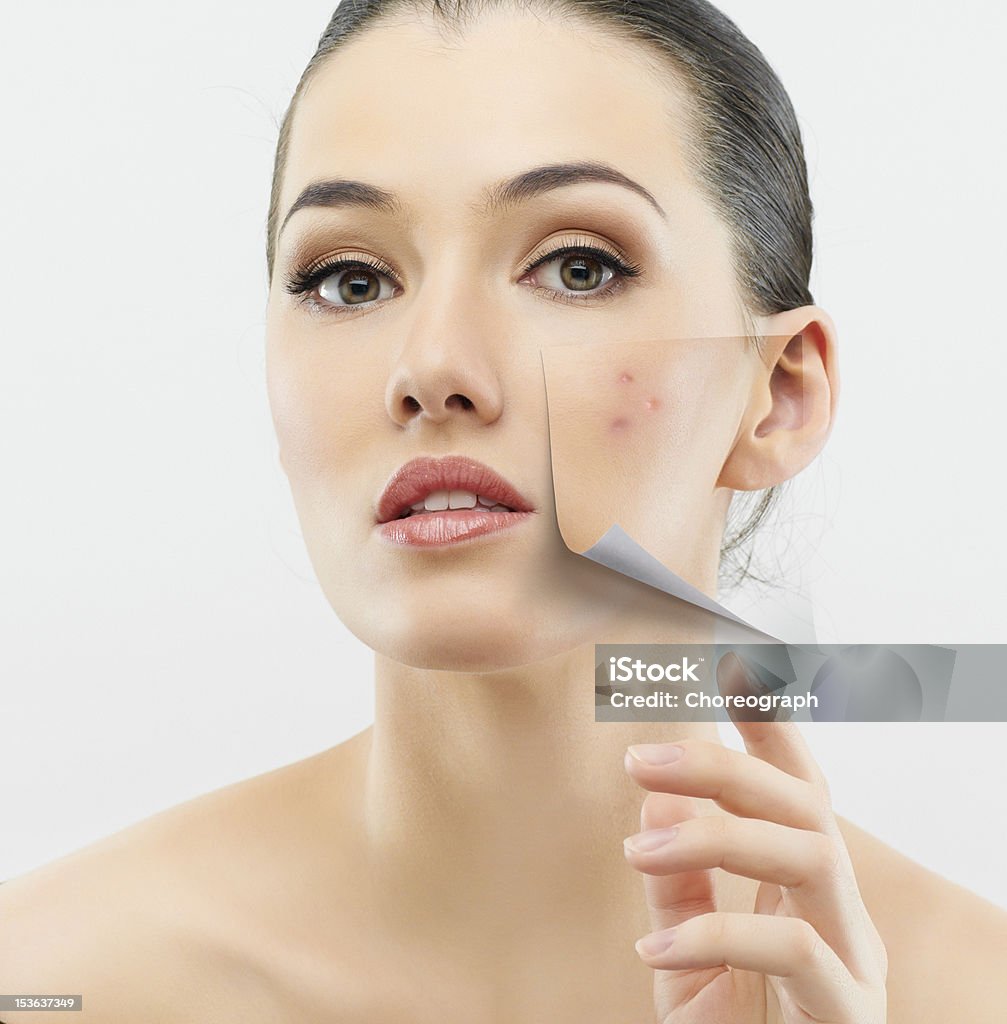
[
  {"x": 461, "y": 400},
  {"x": 411, "y": 404}
]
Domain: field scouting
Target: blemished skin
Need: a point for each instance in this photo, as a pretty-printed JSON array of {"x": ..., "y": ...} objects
[
  {"x": 463, "y": 859},
  {"x": 633, "y": 428}
]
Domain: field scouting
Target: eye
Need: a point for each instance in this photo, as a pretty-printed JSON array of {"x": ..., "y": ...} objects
[
  {"x": 583, "y": 268},
  {"x": 343, "y": 282}
]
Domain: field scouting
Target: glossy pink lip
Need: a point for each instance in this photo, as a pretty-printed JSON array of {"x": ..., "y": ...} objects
[{"x": 420, "y": 477}]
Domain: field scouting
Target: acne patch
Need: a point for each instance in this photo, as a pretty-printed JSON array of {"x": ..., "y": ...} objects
[{"x": 637, "y": 453}]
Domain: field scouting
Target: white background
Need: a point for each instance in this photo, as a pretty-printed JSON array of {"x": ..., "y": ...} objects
[{"x": 162, "y": 632}]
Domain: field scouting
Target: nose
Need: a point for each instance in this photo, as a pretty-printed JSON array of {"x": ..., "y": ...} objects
[{"x": 445, "y": 369}]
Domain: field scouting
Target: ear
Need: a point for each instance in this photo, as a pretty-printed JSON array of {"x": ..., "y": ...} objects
[{"x": 792, "y": 403}]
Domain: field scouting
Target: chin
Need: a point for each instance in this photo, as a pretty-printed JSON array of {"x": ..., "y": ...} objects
[{"x": 474, "y": 635}]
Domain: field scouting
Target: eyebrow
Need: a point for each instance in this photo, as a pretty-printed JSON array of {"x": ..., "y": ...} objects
[{"x": 341, "y": 192}]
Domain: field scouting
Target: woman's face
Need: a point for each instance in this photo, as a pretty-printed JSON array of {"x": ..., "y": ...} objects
[{"x": 434, "y": 343}]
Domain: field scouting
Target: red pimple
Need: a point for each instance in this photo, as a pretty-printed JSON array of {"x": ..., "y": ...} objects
[
  {"x": 652, "y": 404},
  {"x": 626, "y": 378},
  {"x": 620, "y": 423}
]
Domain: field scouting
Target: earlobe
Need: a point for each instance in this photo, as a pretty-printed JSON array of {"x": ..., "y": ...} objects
[{"x": 792, "y": 403}]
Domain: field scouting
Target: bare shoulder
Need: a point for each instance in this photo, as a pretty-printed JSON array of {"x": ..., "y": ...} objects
[
  {"x": 946, "y": 946},
  {"x": 194, "y": 898}
]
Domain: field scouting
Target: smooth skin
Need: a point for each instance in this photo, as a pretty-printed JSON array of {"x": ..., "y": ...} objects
[{"x": 462, "y": 859}]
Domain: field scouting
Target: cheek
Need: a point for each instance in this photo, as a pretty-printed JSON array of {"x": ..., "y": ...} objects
[
  {"x": 319, "y": 420},
  {"x": 639, "y": 432}
]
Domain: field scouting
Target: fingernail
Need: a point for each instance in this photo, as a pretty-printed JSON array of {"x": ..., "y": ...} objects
[
  {"x": 656, "y": 753},
  {"x": 654, "y": 839},
  {"x": 656, "y": 943}
]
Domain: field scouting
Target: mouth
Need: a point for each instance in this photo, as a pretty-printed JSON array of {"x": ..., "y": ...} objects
[
  {"x": 441, "y": 501},
  {"x": 430, "y": 502}
]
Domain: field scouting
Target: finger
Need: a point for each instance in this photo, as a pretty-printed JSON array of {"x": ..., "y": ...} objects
[
  {"x": 787, "y": 948},
  {"x": 805, "y": 864},
  {"x": 756, "y": 849},
  {"x": 782, "y": 744},
  {"x": 741, "y": 784},
  {"x": 735, "y": 678},
  {"x": 768, "y": 899},
  {"x": 673, "y": 898}
]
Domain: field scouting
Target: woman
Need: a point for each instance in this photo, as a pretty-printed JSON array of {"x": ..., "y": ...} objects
[{"x": 467, "y": 179}]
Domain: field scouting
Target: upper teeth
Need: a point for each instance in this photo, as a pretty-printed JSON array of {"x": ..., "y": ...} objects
[{"x": 438, "y": 501}]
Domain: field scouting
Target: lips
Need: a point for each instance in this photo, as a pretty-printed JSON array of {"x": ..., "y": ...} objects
[{"x": 422, "y": 478}]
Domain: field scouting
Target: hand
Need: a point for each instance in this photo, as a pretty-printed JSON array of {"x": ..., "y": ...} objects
[{"x": 810, "y": 933}]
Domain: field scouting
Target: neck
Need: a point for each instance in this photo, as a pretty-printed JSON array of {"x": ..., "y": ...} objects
[{"x": 492, "y": 796}]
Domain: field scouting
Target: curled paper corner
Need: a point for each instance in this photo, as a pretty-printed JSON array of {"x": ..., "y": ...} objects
[{"x": 618, "y": 551}]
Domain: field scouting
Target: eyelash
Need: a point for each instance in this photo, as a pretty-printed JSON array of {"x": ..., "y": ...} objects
[{"x": 304, "y": 281}]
